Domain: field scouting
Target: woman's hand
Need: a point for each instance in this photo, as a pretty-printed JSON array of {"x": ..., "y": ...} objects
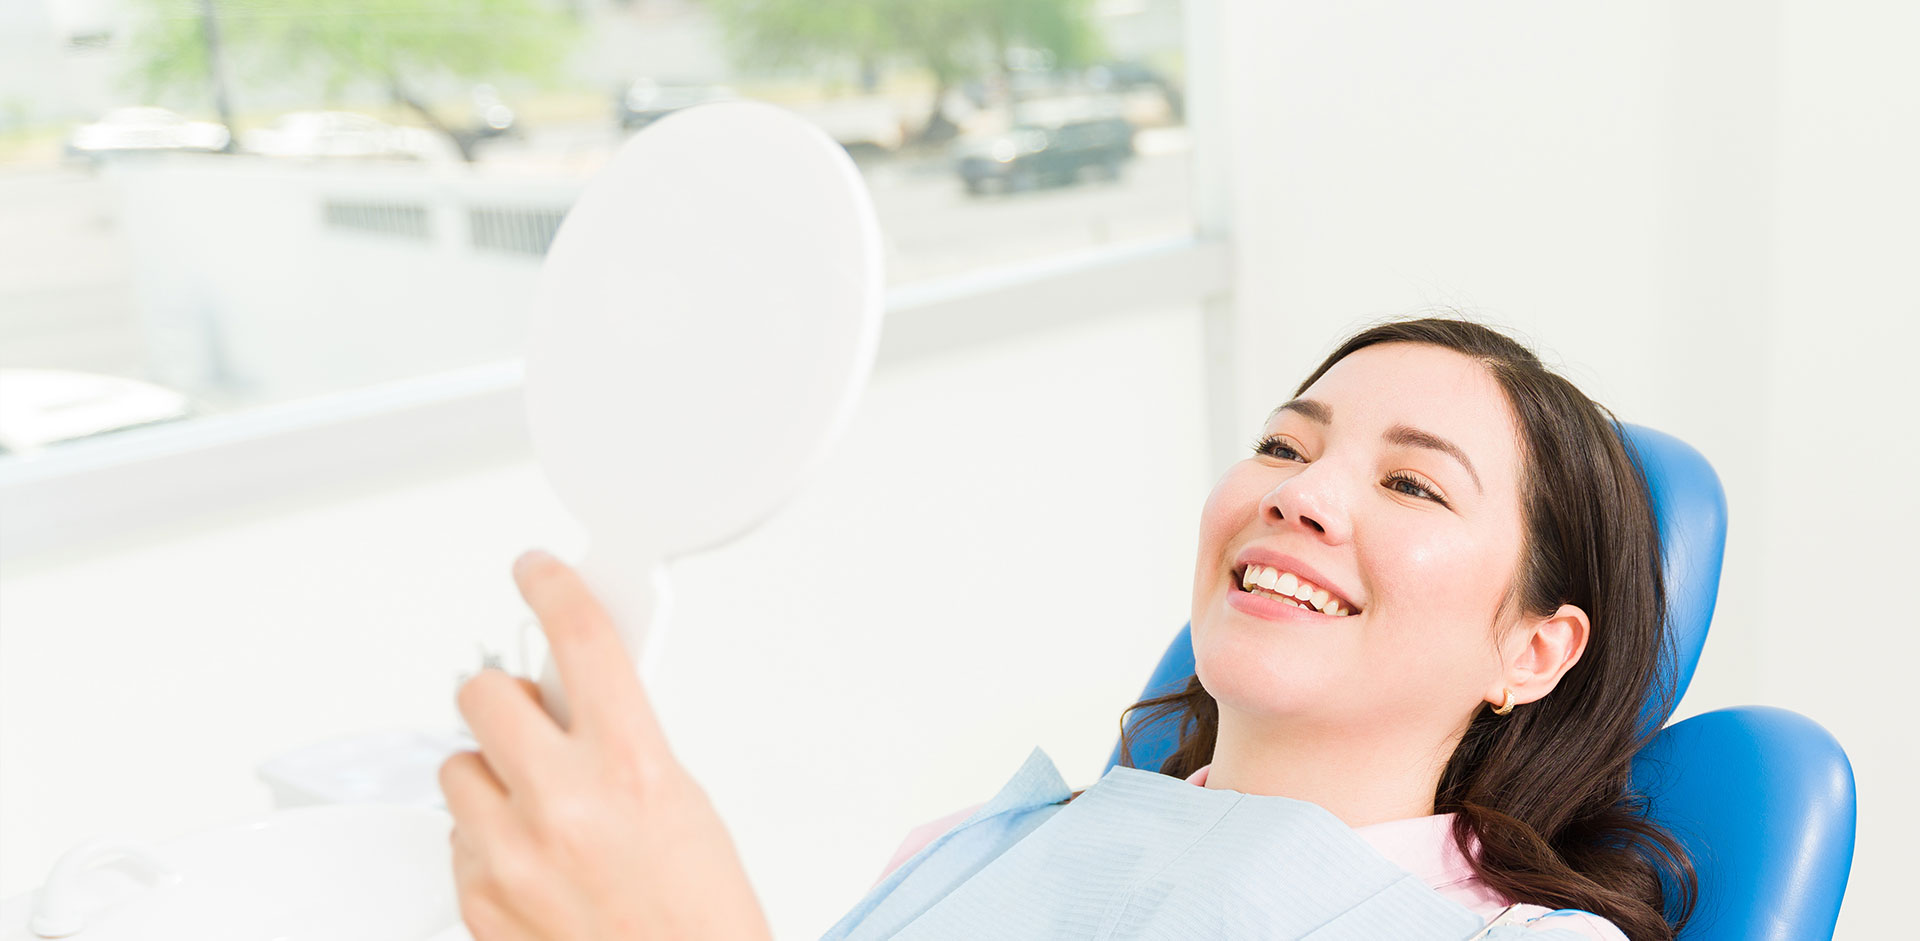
[{"x": 593, "y": 832}]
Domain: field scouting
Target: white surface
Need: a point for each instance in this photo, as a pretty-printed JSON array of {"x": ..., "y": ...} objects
[
  {"x": 718, "y": 281},
  {"x": 346, "y": 873},
  {"x": 39, "y": 407},
  {"x": 1705, "y": 211},
  {"x": 397, "y": 767}
]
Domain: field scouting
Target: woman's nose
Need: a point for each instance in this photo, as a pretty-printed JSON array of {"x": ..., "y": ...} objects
[{"x": 1310, "y": 499}]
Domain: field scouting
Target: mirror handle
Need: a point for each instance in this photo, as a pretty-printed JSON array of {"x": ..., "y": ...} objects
[{"x": 638, "y": 597}]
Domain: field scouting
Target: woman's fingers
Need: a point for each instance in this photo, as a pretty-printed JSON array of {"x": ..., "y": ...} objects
[
  {"x": 482, "y": 896},
  {"x": 593, "y": 832},
  {"x": 475, "y": 797},
  {"x": 603, "y": 688},
  {"x": 517, "y": 738}
]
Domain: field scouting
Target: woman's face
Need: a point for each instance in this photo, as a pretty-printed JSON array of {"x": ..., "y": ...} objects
[{"x": 1394, "y": 484}]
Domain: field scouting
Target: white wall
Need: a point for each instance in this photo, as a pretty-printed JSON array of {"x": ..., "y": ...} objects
[
  {"x": 1844, "y": 337},
  {"x": 1705, "y": 212},
  {"x": 992, "y": 560}
]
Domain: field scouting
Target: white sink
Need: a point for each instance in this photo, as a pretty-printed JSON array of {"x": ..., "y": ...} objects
[{"x": 343, "y": 872}]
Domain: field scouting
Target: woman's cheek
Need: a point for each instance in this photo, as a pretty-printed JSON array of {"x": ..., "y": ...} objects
[
  {"x": 1434, "y": 596},
  {"x": 1428, "y": 566},
  {"x": 1225, "y": 512}
]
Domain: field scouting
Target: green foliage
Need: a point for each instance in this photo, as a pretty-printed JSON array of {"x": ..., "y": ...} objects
[
  {"x": 337, "y": 43},
  {"x": 953, "y": 39}
]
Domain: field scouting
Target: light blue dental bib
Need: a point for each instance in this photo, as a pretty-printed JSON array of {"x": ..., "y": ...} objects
[{"x": 1142, "y": 856}]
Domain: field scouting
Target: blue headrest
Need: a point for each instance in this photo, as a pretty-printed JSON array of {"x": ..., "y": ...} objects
[{"x": 1691, "y": 510}]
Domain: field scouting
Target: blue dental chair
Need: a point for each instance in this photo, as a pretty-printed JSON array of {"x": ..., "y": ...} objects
[{"x": 1762, "y": 797}]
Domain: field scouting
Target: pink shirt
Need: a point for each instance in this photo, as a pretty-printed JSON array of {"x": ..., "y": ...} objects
[{"x": 1421, "y": 845}]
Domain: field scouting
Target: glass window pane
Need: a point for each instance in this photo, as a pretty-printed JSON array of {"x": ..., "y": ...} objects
[{"x": 216, "y": 204}]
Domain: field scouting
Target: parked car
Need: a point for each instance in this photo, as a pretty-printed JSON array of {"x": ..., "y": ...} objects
[
  {"x": 648, "y": 100},
  {"x": 41, "y": 407},
  {"x": 1028, "y": 157},
  {"x": 343, "y": 134},
  {"x": 144, "y": 130}
]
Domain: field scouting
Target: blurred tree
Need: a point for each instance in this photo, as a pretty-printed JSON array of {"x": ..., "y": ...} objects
[
  {"x": 402, "y": 45},
  {"x": 954, "y": 40}
]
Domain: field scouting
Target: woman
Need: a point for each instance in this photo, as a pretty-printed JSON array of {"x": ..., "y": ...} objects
[{"x": 1435, "y": 522}]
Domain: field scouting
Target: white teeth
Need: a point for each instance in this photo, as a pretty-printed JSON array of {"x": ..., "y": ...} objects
[
  {"x": 1292, "y": 588},
  {"x": 1282, "y": 598}
]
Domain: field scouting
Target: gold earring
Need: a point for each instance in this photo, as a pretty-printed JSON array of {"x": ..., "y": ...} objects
[{"x": 1507, "y": 706}]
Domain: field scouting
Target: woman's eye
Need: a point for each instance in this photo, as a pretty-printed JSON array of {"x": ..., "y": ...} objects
[
  {"x": 1413, "y": 487},
  {"x": 1276, "y": 446}
]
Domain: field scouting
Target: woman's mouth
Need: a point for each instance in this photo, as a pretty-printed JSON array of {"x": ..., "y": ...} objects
[{"x": 1286, "y": 588}]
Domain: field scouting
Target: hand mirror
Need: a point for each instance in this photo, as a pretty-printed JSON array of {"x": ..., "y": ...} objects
[{"x": 702, "y": 329}]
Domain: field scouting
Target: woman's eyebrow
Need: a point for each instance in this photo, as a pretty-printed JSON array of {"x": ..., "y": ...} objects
[
  {"x": 1409, "y": 437},
  {"x": 1405, "y": 436},
  {"x": 1312, "y": 410}
]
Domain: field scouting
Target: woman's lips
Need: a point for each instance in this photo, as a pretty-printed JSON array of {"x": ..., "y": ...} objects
[{"x": 1273, "y": 609}]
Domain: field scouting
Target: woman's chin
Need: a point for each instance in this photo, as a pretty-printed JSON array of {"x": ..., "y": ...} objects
[{"x": 1240, "y": 666}]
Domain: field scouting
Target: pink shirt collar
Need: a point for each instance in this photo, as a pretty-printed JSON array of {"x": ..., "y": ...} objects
[{"x": 1423, "y": 846}]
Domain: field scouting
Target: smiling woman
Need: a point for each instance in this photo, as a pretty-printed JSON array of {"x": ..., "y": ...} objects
[
  {"x": 1427, "y": 613},
  {"x": 1435, "y": 522},
  {"x": 1438, "y": 521}
]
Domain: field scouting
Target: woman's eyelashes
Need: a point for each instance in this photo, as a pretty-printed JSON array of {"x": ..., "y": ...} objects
[
  {"x": 1271, "y": 444},
  {"x": 1420, "y": 488},
  {"x": 1405, "y": 482}
]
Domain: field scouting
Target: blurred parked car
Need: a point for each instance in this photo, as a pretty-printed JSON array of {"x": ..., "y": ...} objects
[
  {"x": 647, "y": 101},
  {"x": 40, "y": 407},
  {"x": 1027, "y": 156},
  {"x": 343, "y": 134},
  {"x": 144, "y": 130}
]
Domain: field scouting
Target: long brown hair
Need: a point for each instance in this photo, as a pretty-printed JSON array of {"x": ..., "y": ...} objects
[{"x": 1545, "y": 790}]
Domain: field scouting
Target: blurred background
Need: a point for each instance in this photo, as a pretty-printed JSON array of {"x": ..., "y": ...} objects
[{"x": 264, "y": 267}]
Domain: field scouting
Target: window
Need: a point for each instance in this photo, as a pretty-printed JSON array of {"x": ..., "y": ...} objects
[
  {"x": 299, "y": 220},
  {"x": 296, "y": 235}
]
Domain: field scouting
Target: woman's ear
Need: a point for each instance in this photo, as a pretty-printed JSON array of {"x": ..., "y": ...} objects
[{"x": 1542, "y": 652}]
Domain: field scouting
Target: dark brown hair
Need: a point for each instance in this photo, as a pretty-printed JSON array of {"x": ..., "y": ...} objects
[{"x": 1545, "y": 790}]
